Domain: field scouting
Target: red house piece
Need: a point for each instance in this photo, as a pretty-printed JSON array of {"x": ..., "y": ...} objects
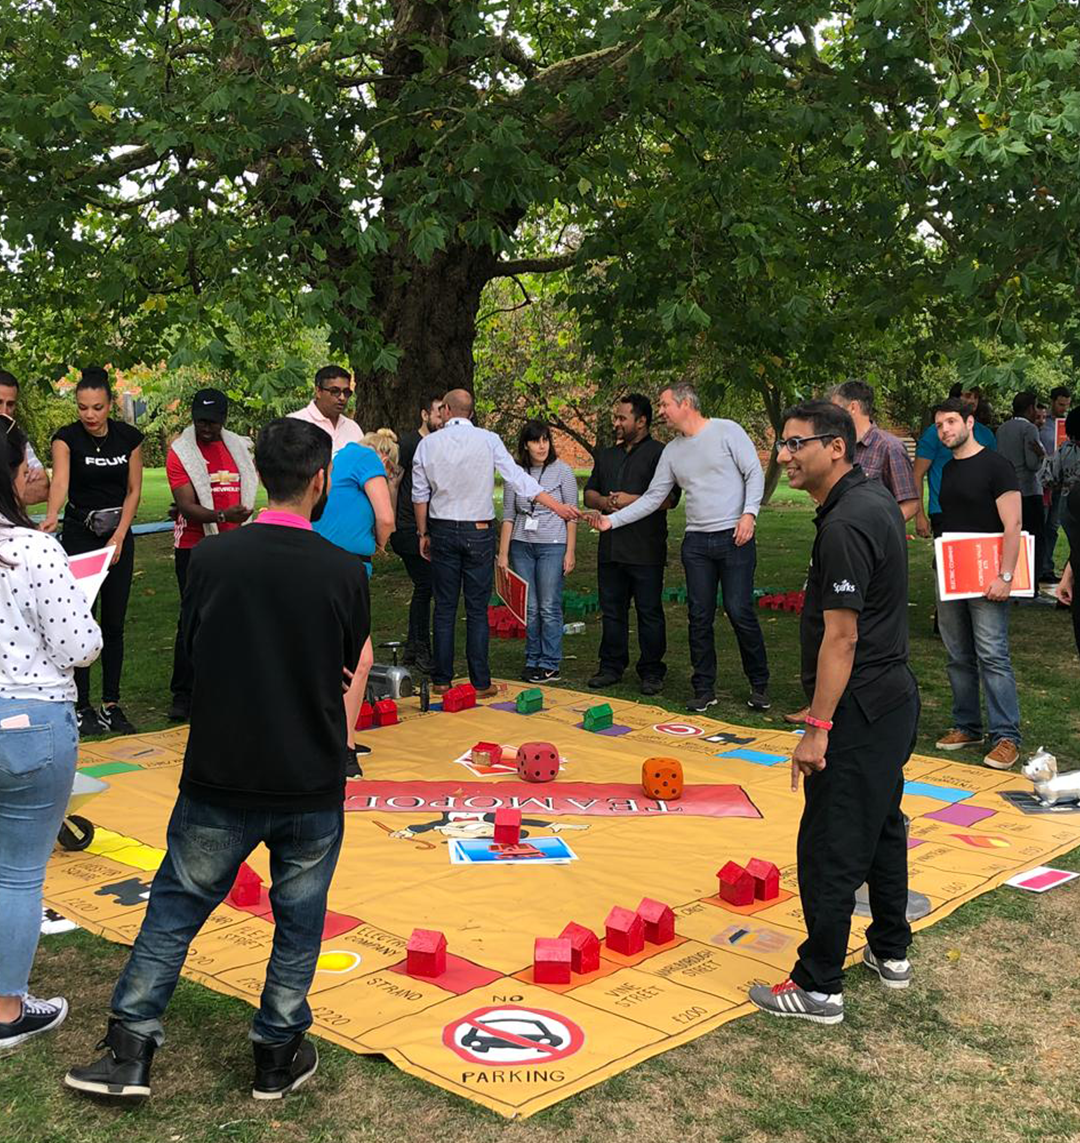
[
  {"x": 366, "y": 717},
  {"x": 454, "y": 700},
  {"x": 425, "y": 954},
  {"x": 468, "y": 694},
  {"x": 624, "y": 931},
  {"x": 584, "y": 946},
  {"x": 486, "y": 754},
  {"x": 659, "y": 921},
  {"x": 552, "y": 958},
  {"x": 246, "y": 888},
  {"x": 507, "y": 826},
  {"x": 766, "y": 879},
  {"x": 505, "y": 627},
  {"x": 736, "y": 885},
  {"x": 386, "y": 712}
]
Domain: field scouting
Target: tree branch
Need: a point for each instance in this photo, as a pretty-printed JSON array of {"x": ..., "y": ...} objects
[{"x": 534, "y": 265}]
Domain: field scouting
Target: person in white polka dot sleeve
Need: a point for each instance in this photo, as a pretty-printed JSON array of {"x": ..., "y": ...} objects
[{"x": 47, "y": 631}]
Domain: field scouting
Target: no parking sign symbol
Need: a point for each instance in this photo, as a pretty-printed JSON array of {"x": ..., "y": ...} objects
[{"x": 510, "y": 1035}]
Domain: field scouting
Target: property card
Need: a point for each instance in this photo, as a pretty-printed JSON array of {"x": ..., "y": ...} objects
[
  {"x": 968, "y": 562},
  {"x": 90, "y": 570},
  {"x": 1040, "y": 879},
  {"x": 482, "y": 851},
  {"x": 513, "y": 591},
  {"x": 1060, "y": 435}
]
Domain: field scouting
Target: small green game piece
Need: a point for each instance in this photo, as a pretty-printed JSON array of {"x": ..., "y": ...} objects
[
  {"x": 530, "y": 701},
  {"x": 598, "y": 717}
]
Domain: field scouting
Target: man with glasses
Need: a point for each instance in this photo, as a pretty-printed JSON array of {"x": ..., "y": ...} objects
[
  {"x": 333, "y": 391},
  {"x": 37, "y": 481},
  {"x": 862, "y": 720}
]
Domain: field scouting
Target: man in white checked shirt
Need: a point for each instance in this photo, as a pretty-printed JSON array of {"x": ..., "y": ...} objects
[{"x": 453, "y": 497}]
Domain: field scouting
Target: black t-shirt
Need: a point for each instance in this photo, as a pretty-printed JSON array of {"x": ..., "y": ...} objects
[
  {"x": 267, "y": 721},
  {"x": 859, "y": 563},
  {"x": 99, "y": 465},
  {"x": 617, "y": 470},
  {"x": 406, "y": 515},
  {"x": 969, "y": 492}
]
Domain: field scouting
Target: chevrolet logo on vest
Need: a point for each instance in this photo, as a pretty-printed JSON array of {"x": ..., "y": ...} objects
[{"x": 107, "y": 461}]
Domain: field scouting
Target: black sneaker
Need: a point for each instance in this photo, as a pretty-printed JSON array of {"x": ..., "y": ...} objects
[
  {"x": 113, "y": 719},
  {"x": 281, "y": 1068},
  {"x": 87, "y": 721},
  {"x": 701, "y": 703},
  {"x": 758, "y": 700},
  {"x": 180, "y": 711},
  {"x": 531, "y": 674},
  {"x": 604, "y": 679},
  {"x": 545, "y": 676},
  {"x": 124, "y": 1070},
  {"x": 37, "y": 1016},
  {"x": 652, "y": 686},
  {"x": 352, "y": 766}
]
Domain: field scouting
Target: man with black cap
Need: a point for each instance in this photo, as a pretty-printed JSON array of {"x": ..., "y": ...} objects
[{"x": 213, "y": 482}]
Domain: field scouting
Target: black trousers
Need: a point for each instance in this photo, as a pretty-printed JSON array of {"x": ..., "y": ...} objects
[
  {"x": 852, "y": 830},
  {"x": 618, "y": 584},
  {"x": 110, "y": 607},
  {"x": 182, "y": 672},
  {"x": 1070, "y": 521},
  {"x": 407, "y": 545},
  {"x": 1033, "y": 520}
]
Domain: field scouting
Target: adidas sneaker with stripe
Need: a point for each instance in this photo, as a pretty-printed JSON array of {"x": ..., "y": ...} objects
[{"x": 788, "y": 999}]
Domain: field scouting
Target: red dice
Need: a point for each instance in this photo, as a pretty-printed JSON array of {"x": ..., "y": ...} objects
[
  {"x": 662, "y": 778},
  {"x": 538, "y": 762}
]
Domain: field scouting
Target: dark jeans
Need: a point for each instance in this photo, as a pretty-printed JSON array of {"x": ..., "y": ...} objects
[
  {"x": 462, "y": 562},
  {"x": 112, "y": 604},
  {"x": 1071, "y": 524},
  {"x": 407, "y": 545},
  {"x": 182, "y": 674},
  {"x": 206, "y": 845},
  {"x": 1033, "y": 520},
  {"x": 1050, "y": 534},
  {"x": 644, "y": 584},
  {"x": 711, "y": 560},
  {"x": 852, "y": 830}
]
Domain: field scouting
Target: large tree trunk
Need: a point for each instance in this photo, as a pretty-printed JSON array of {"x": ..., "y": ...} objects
[{"x": 429, "y": 312}]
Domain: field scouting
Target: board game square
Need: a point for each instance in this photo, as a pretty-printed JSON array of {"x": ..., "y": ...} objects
[
  {"x": 460, "y": 976},
  {"x": 960, "y": 815}
]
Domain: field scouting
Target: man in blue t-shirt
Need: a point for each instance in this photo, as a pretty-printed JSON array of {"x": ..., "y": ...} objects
[{"x": 931, "y": 456}]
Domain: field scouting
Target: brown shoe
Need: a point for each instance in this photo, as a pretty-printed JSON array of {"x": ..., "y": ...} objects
[
  {"x": 440, "y": 688},
  {"x": 488, "y": 692},
  {"x": 1003, "y": 756},
  {"x": 798, "y": 718},
  {"x": 957, "y": 740}
]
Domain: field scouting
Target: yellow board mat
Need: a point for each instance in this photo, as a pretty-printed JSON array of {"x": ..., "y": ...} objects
[{"x": 485, "y": 1030}]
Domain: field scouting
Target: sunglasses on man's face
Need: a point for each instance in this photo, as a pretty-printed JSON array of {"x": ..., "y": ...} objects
[{"x": 793, "y": 444}]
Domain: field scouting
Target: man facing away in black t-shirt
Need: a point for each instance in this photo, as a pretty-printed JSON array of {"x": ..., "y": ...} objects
[
  {"x": 861, "y": 721},
  {"x": 979, "y": 493},
  {"x": 272, "y": 613}
]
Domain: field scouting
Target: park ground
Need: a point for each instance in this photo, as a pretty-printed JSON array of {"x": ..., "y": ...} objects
[{"x": 981, "y": 1048}]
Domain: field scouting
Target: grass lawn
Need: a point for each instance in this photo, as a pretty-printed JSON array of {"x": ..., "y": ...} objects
[{"x": 982, "y": 1047}]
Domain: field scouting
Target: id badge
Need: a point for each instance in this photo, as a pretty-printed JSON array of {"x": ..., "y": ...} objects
[{"x": 532, "y": 524}]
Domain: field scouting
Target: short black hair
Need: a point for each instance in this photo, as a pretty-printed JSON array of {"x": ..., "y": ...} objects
[
  {"x": 639, "y": 404},
  {"x": 828, "y": 420},
  {"x": 430, "y": 397},
  {"x": 94, "y": 377},
  {"x": 328, "y": 373},
  {"x": 956, "y": 389},
  {"x": 534, "y": 431},
  {"x": 1072, "y": 425},
  {"x": 8, "y": 379},
  {"x": 856, "y": 390},
  {"x": 288, "y": 453},
  {"x": 1023, "y": 401},
  {"x": 1057, "y": 391},
  {"x": 955, "y": 405}
]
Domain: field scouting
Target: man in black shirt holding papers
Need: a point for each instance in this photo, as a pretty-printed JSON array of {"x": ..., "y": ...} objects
[
  {"x": 631, "y": 560},
  {"x": 980, "y": 493},
  {"x": 861, "y": 726},
  {"x": 272, "y": 613}
]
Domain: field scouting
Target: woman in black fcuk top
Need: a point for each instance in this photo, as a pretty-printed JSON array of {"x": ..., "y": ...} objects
[{"x": 97, "y": 470}]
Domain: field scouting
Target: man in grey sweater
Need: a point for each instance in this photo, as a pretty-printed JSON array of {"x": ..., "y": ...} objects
[
  {"x": 1018, "y": 441},
  {"x": 716, "y": 465}
]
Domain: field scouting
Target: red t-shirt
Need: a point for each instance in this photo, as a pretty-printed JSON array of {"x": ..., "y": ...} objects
[{"x": 224, "y": 484}]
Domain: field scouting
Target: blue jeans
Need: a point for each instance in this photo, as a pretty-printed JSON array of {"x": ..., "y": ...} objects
[
  {"x": 540, "y": 565},
  {"x": 712, "y": 560},
  {"x": 976, "y": 636},
  {"x": 37, "y": 766},
  {"x": 206, "y": 844},
  {"x": 462, "y": 562}
]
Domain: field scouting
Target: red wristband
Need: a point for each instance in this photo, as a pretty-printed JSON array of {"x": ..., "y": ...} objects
[{"x": 817, "y": 723}]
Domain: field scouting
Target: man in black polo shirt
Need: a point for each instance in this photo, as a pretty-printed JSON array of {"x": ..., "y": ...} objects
[
  {"x": 864, "y": 710},
  {"x": 631, "y": 559},
  {"x": 272, "y": 613}
]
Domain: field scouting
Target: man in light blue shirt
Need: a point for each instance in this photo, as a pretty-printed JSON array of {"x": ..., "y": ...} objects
[{"x": 453, "y": 496}]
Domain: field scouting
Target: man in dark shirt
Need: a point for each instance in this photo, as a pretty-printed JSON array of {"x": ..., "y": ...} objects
[
  {"x": 980, "y": 492},
  {"x": 272, "y": 613},
  {"x": 406, "y": 540},
  {"x": 631, "y": 559},
  {"x": 861, "y": 726}
]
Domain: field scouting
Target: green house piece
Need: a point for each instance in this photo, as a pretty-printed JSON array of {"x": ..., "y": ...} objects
[
  {"x": 598, "y": 717},
  {"x": 530, "y": 701}
]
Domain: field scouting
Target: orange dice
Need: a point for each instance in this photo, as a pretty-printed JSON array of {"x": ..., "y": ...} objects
[{"x": 662, "y": 778}]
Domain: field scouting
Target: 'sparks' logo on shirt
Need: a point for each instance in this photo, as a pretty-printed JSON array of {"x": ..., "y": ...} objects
[{"x": 843, "y": 587}]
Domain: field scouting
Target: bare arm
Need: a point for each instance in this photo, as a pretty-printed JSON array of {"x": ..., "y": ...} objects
[
  {"x": 37, "y": 486},
  {"x": 1009, "y": 512},
  {"x": 377, "y": 490},
  {"x": 909, "y": 509},
  {"x": 922, "y": 522},
  {"x": 131, "y": 500},
  {"x": 506, "y": 530},
  {"x": 420, "y": 510},
  {"x": 594, "y": 500},
  {"x": 61, "y": 458}
]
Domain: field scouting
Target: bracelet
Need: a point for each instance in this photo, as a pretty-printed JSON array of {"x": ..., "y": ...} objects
[{"x": 818, "y": 723}]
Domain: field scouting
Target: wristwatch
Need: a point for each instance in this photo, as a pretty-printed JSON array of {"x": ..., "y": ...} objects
[
  {"x": 220, "y": 514},
  {"x": 1006, "y": 577}
]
